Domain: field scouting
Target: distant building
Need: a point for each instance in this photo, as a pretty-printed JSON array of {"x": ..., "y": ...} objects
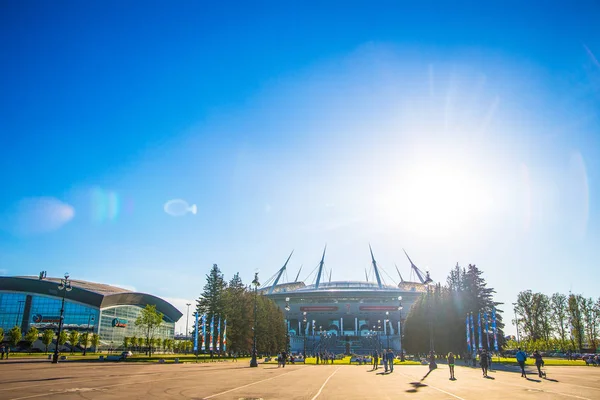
[
  {"x": 345, "y": 316},
  {"x": 28, "y": 301}
]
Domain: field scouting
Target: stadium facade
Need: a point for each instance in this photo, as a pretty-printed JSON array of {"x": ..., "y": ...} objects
[
  {"x": 351, "y": 317},
  {"x": 109, "y": 311}
]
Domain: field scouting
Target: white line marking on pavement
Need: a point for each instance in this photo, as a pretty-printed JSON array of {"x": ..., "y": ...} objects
[
  {"x": 443, "y": 391},
  {"x": 325, "y": 383},
  {"x": 250, "y": 384}
]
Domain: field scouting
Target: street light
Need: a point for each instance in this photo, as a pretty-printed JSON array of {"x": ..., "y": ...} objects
[
  {"x": 65, "y": 286},
  {"x": 287, "y": 322},
  {"x": 400, "y": 328},
  {"x": 187, "y": 318},
  {"x": 516, "y": 322},
  {"x": 428, "y": 282},
  {"x": 305, "y": 329},
  {"x": 387, "y": 334},
  {"x": 253, "y": 362}
]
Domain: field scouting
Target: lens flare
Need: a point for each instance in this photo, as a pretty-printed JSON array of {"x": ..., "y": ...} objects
[
  {"x": 105, "y": 205},
  {"x": 179, "y": 207},
  {"x": 37, "y": 215}
]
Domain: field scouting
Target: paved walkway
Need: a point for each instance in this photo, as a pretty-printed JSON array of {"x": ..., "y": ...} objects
[{"x": 226, "y": 380}]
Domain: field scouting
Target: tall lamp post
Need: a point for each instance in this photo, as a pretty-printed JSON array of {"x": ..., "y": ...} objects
[
  {"x": 65, "y": 286},
  {"x": 387, "y": 319},
  {"x": 305, "y": 329},
  {"x": 516, "y": 322},
  {"x": 187, "y": 318},
  {"x": 287, "y": 322},
  {"x": 428, "y": 282},
  {"x": 400, "y": 328},
  {"x": 253, "y": 362}
]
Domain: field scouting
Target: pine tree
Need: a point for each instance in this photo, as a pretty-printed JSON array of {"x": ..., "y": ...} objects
[{"x": 211, "y": 302}]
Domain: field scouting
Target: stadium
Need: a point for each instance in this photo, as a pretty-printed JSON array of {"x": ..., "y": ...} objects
[
  {"x": 109, "y": 311},
  {"x": 350, "y": 317}
]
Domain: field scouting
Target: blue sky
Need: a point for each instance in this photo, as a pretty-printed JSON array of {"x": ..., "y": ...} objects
[{"x": 461, "y": 132}]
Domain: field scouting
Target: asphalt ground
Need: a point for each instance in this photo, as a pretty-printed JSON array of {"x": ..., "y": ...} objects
[{"x": 229, "y": 380}]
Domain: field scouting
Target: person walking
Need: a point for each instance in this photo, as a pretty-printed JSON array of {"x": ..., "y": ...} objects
[
  {"x": 375, "y": 360},
  {"x": 432, "y": 363},
  {"x": 2, "y": 352},
  {"x": 451, "y": 365},
  {"x": 390, "y": 357},
  {"x": 539, "y": 362},
  {"x": 283, "y": 358},
  {"x": 384, "y": 358},
  {"x": 521, "y": 358},
  {"x": 483, "y": 361}
]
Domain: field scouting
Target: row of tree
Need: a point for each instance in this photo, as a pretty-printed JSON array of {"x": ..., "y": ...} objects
[
  {"x": 141, "y": 344},
  {"x": 234, "y": 301},
  {"x": 438, "y": 317},
  {"x": 15, "y": 336},
  {"x": 557, "y": 322}
]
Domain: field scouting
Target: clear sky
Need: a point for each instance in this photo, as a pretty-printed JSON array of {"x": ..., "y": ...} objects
[{"x": 460, "y": 132}]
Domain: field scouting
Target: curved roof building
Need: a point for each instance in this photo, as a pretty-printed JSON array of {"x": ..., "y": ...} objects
[
  {"x": 345, "y": 316},
  {"x": 28, "y": 301}
]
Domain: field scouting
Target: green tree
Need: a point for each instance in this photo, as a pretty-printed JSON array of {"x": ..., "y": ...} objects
[
  {"x": 445, "y": 308},
  {"x": 211, "y": 301},
  {"x": 47, "y": 337},
  {"x": 591, "y": 322},
  {"x": 73, "y": 339},
  {"x": 84, "y": 340},
  {"x": 95, "y": 342},
  {"x": 62, "y": 338},
  {"x": 14, "y": 336},
  {"x": 149, "y": 320},
  {"x": 1, "y": 335},
  {"x": 31, "y": 336},
  {"x": 134, "y": 342},
  {"x": 238, "y": 310},
  {"x": 576, "y": 321},
  {"x": 126, "y": 342},
  {"x": 560, "y": 317}
]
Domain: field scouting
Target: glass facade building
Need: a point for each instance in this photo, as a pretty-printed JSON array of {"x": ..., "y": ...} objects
[{"x": 109, "y": 311}]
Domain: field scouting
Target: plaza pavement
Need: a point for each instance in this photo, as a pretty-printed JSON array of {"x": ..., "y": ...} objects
[{"x": 228, "y": 380}]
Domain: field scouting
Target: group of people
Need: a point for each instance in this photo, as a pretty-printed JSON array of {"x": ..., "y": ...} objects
[
  {"x": 325, "y": 358},
  {"x": 522, "y": 357},
  {"x": 387, "y": 358},
  {"x": 4, "y": 350}
]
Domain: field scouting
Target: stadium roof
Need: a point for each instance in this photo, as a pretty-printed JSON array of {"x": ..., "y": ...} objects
[{"x": 90, "y": 293}]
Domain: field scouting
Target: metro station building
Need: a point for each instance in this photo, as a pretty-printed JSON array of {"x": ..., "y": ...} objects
[
  {"x": 346, "y": 316},
  {"x": 109, "y": 311}
]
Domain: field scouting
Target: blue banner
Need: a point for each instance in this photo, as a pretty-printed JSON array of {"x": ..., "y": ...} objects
[
  {"x": 479, "y": 329},
  {"x": 196, "y": 335},
  {"x": 225, "y": 335},
  {"x": 211, "y": 333},
  {"x": 473, "y": 345},
  {"x": 219, "y": 334},
  {"x": 204, "y": 332},
  {"x": 495, "y": 330},
  {"x": 487, "y": 330},
  {"x": 468, "y": 334}
]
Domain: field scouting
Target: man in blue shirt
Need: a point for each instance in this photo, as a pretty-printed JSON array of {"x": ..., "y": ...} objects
[{"x": 521, "y": 358}]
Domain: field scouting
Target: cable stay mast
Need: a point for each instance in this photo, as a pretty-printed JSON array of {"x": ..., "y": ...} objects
[
  {"x": 300, "y": 270},
  {"x": 417, "y": 271},
  {"x": 375, "y": 268},
  {"x": 320, "y": 268},
  {"x": 399, "y": 274},
  {"x": 280, "y": 273}
]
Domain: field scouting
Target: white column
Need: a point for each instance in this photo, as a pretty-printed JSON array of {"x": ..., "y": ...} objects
[
  {"x": 299, "y": 328},
  {"x": 385, "y": 327},
  {"x": 356, "y": 328},
  {"x": 341, "y": 325}
]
